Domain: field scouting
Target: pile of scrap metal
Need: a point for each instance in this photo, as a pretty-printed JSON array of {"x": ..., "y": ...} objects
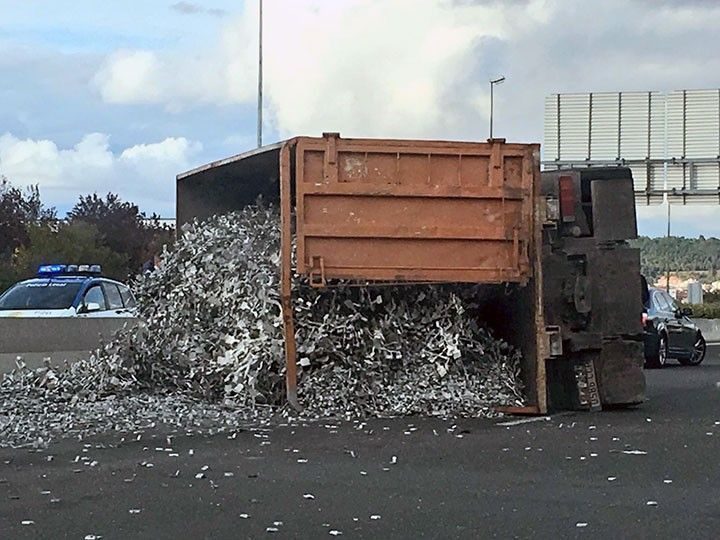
[{"x": 212, "y": 330}]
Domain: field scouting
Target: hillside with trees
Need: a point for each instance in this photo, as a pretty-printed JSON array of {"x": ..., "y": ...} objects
[{"x": 701, "y": 255}]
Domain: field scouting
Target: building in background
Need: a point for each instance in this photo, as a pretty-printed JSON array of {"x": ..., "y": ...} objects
[{"x": 695, "y": 293}]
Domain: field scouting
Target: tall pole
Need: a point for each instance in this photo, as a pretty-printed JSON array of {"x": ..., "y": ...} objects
[
  {"x": 493, "y": 82},
  {"x": 667, "y": 276},
  {"x": 491, "y": 106},
  {"x": 260, "y": 78}
]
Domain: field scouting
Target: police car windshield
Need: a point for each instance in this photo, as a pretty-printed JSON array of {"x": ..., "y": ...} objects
[{"x": 40, "y": 295}]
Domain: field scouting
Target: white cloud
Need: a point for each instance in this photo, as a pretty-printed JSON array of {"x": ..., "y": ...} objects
[
  {"x": 421, "y": 69},
  {"x": 143, "y": 173},
  {"x": 363, "y": 70},
  {"x": 219, "y": 73},
  {"x": 188, "y": 8},
  {"x": 131, "y": 77},
  {"x": 363, "y": 67},
  {"x": 171, "y": 150}
]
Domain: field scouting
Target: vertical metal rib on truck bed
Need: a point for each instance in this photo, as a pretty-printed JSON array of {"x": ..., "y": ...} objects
[{"x": 286, "y": 275}]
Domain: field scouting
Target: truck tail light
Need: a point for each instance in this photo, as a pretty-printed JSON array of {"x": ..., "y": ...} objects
[{"x": 567, "y": 198}]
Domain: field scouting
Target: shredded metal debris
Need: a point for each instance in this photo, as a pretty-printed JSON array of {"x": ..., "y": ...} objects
[{"x": 209, "y": 352}]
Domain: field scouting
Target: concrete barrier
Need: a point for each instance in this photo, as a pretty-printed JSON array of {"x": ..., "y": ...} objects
[
  {"x": 58, "y": 339},
  {"x": 710, "y": 328}
]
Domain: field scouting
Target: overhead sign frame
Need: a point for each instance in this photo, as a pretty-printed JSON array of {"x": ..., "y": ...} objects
[{"x": 671, "y": 141}]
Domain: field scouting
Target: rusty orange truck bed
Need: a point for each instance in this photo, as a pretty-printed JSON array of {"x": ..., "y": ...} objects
[{"x": 413, "y": 211}]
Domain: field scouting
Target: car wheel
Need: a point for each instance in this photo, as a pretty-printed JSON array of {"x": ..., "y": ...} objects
[
  {"x": 698, "y": 353},
  {"x": 659, "y": 361}
]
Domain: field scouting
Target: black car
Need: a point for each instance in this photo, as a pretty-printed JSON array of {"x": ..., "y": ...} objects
[{"x": 669, "y": 332}]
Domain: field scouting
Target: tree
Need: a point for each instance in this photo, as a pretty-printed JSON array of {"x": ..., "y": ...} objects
[
  {"x": 18, "y": 209},
  {"x": 714, "y": 264},
  {"x": 122, "y": 226},
  {"x": 74, "y": 242},
  {"x": 680, "y": 254}
]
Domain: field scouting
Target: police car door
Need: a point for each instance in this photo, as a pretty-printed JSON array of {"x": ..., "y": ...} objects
[
  {"x": 94, "y": 304},
  {"x": 116, "y": 307}
]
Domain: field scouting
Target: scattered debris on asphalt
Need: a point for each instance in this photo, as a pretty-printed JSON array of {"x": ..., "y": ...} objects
[
  {"x": 209, "y": 353},
  {"x": 34, "y": 419}
]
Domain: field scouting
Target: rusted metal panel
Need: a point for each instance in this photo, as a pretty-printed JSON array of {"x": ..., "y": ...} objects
[
  {"x": 227, "y": 185},
  {"x": 616, "y": 292},
  {"x": 613, "y": 208},
  {"x": 538, "y": 392},
  {"x": 414, "y": 210},
  {"x": 286, "y": 276},
  {"x": 620, "y": 372}
]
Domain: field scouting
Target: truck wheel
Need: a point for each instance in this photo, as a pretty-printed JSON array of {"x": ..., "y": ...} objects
[
  {"x": 698, "y": 354},
  {"x": 659, "y": 361}
]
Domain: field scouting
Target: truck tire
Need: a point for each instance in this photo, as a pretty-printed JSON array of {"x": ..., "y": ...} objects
[
  {"x": 698, "y": 354},
  {"x": 658, "y": 361}
]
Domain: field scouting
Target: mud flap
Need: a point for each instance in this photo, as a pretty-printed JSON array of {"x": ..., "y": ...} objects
[{"x": 620, "y": 370}]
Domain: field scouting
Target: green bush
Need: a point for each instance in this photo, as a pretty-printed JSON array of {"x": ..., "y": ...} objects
[
  {"x": 706, "y": 311},
  {"x": 74, "y": 241},
  {"x": 8, "y": 276}
]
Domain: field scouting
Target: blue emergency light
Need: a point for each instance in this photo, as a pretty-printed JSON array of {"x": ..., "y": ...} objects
[
  {"x": 46, "y": 270},
  {"x": 51, "y": 269}
]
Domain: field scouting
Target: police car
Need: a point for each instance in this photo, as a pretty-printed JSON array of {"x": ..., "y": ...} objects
[{"x": 61, "y": 290}]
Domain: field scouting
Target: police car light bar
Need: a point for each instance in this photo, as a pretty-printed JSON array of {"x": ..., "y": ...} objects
[
  {"x": 68, "y": 269},
  {"x": 51, "y": 269}
]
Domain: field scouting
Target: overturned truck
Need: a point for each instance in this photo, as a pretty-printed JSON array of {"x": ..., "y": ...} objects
[{"x": 558, "y": 279}]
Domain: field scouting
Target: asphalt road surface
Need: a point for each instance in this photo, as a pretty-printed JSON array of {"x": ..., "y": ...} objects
[{"x": 651, "y": 472}]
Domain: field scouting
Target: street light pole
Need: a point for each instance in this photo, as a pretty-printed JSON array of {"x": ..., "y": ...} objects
[
  {"x": 493, "y": 82},
  {"x": 667, "y": 274},
  {"x": 260, "y": 78}
]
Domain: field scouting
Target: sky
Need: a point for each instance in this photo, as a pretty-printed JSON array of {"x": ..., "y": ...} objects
[{"x": 121, "y": 96}]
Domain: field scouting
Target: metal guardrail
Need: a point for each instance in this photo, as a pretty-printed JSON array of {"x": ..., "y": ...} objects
[{"x": 60, "y": 339}]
